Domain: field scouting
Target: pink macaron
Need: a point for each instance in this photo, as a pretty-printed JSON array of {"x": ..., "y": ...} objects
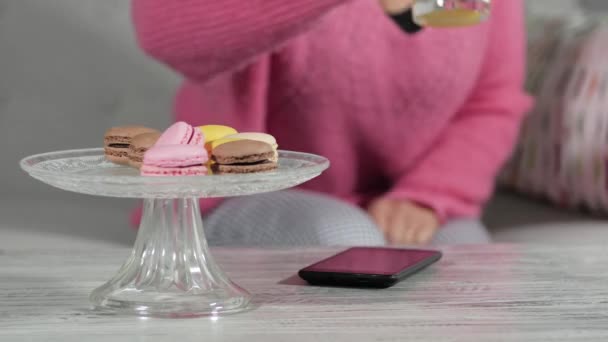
[
  {"x": 175, "y": 160},
  {"x": 181, "y": 133},
  {"x": 154, "y": 171}
]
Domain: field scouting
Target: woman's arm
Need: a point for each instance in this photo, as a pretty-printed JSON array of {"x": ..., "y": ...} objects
[
  {"x": 201, "y": 38},
  {"x": 458, "y": 173}
]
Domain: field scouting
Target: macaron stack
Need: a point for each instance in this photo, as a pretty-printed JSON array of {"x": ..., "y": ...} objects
[
  {"x": 243, "y": 156},
  {"x": 181, "y": 133},
  {"x": 118, "y": 140},
  {"x": 247, "y": 152},
  {"x": 233, "y": 152},
  {"x": 139, "y": 146},
  {"x": 184, "y": 150},
  {"x": 178, "y": 152},
  {"x": 175, "y": 160},
  {"x": 255, "y": 136}
]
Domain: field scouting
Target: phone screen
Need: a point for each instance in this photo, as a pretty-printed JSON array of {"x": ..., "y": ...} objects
[{"x": 369, "y": 260}]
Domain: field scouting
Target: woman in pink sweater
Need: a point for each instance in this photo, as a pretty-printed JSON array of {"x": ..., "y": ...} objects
[{"x": 416, "y": 125}]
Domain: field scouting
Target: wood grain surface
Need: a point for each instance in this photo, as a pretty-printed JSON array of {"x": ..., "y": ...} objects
[{"x": 475, "y": 293}]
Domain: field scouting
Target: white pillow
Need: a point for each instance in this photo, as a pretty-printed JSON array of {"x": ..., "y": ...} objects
[{"x": 562, "y": 154}]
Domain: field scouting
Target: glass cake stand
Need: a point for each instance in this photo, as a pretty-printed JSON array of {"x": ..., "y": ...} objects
[{"x": 170, "y": 272}]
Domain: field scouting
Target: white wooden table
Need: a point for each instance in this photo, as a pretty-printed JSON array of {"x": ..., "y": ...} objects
[{"x": 484, "y": 293}]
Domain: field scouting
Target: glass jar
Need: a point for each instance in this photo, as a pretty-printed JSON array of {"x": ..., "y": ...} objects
[{"x": 450, "y": 13}]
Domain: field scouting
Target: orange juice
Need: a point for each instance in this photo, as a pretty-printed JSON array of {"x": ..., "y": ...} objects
[{"x": 450, "y": 18}]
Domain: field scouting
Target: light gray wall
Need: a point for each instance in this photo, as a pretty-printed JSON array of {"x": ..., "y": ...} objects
[
  {"x": 69, "y": 69},
  {"x": 594, "y": 5}
]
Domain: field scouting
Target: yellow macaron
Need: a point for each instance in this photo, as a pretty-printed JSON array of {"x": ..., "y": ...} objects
[{"x": 214, "y": 132}]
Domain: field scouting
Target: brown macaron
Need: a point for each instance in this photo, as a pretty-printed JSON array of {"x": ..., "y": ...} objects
[
  {"x": 243, "y": 156},
  {"x": 139, "y": 145},
  {"x": 117, "y": 142}
]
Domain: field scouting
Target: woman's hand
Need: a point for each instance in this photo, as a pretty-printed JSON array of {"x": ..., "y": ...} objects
[
  {"x": 403, "y": 222},
  {"x": 396, "y": 6}
]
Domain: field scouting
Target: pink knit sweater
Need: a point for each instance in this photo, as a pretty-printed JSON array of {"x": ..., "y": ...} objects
[{"x": 428, "y": 117}]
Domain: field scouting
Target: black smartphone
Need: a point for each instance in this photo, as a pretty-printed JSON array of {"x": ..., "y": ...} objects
[{"x": 375, "y": 267}]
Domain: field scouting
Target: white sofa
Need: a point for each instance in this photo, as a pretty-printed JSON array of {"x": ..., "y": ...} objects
[{"x": 69, "y": 69}]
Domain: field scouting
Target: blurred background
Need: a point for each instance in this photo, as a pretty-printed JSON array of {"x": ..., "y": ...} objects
[{"x": 69, "y": 69}]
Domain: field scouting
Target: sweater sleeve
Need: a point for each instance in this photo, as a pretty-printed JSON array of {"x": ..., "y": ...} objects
[
  {"x": 457, "y": 174},
  {"x": 201, "y": 38}
]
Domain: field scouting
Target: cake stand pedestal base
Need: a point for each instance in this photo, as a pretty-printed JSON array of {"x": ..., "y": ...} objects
[{"x": 170, "y": 272}]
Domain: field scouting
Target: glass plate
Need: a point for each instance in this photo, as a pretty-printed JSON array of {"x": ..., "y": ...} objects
[
  {"x": 86, "y": 171},
  {"x": 170, "y": 272}
]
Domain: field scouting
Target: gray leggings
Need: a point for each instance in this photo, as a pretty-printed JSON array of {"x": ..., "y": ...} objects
[{"x": 298, "y": 218}]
